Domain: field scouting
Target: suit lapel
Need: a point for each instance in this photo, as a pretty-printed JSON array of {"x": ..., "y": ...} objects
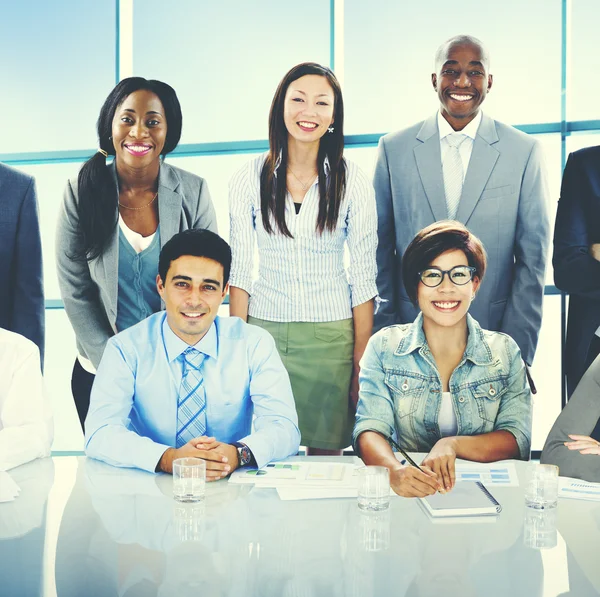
[
  {"x": 483, "y": 159},
  {"x": 429, "y": 164},
  {"x": 169, "y": 203}
]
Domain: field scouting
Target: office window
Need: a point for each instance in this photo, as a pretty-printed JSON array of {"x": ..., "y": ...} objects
[
  {"x": 226, "y": 58},
  {"x": 584, "y": 61},
  {"x": 390, "y": 48},
  {"x": 58, "y": 65}
]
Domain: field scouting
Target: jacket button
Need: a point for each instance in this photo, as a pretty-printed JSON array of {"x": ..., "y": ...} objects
[
  {"x": 461, "y": 399},
  {"x": 404, "y": 386},
  {"x": 492, "y": 391}
]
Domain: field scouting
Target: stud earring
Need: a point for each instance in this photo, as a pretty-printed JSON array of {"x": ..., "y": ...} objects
[{"x": 330, "y": 129}]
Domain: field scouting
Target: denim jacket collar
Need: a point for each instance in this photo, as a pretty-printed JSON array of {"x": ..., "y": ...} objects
[{"x": 478, "y": 350}]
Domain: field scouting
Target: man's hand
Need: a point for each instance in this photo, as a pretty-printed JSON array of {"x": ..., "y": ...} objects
[
  {"x": 441, "y": 461},
  {"x": 595, "y": 251},
  {"x": 409, "y": 481},
  {"x": 217, "y": 465},
  {"x": 583, "y": 443},
  {"x": 226, "y": 450}
]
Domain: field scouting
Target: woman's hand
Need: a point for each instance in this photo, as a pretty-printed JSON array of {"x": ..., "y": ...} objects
[
  {"x": 583, "y": 443},
  {"x": 409, "y": 481},
  {"x": 441, "y": 461}
]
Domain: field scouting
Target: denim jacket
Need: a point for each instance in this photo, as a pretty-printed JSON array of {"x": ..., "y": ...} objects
[{"x": 401, "y": 388}]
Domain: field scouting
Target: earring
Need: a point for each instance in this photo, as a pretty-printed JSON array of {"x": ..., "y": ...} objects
[{"x": 330, "y": 129}]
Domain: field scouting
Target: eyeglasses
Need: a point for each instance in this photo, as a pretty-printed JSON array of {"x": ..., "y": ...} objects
[{"x": 459, "y": 274}]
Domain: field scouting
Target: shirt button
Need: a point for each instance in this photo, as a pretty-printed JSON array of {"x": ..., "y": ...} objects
[
  {"x": 461, "y": 399},
  {"x": 492, "y": 392},
  {"x": 405, "y": 386}
]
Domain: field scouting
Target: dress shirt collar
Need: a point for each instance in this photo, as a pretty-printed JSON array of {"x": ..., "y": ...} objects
[
  {"x": 326, "y": 166},
  {"x": 470, "y": 130},
  {"x": 175, "y": 345},
  {"x": 478, "y": 350}
]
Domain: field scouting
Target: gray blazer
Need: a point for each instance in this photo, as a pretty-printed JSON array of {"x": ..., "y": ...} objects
[
  {"x": 89, "y": 288},
  {"x": 22, "y": 290},
  {"x": 580, "y": 416},
  {"x": 504, "y": 203}
]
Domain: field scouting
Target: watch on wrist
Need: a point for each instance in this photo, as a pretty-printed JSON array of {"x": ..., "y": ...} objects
[{"x": 244, "y": 454}]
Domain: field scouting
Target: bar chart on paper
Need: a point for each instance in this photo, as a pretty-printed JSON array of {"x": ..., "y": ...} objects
[{"x": 498, "y": 473}]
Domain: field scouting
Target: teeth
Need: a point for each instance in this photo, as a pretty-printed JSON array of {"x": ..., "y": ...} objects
[
  {"x": 460, "y": 98},
  {"x": 138, "y": 148},
  {"x": 193, "y": 314},
  {"x": 310, "y": 125},
  {"x": 446, "y": 305}
]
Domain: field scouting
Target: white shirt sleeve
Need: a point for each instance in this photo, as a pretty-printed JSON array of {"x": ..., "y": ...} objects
[{"x": 26, "y": 423}]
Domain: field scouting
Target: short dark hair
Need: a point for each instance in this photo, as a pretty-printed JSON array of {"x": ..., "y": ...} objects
[
  {"x": 197, "y": 243},
  {"x": 431, "y": 242}
]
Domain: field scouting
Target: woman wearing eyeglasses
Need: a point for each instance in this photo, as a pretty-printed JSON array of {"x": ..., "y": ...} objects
[{"x": 441, "y": 385}]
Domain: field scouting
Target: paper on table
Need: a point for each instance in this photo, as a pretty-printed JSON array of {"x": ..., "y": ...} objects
[
  {"x": 9, "y": 490},
  {"x": 578, "y": 489}
]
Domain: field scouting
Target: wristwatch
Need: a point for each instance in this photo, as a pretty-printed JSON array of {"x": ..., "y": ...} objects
[{"x": 244, "y": 454}]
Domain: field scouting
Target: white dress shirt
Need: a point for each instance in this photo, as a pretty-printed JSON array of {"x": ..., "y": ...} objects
[
  {"x": 466, "y": 147},
  {"x": 304, "y": 278},
  {"x": 447, "y": 421},
  {"x": 26, "y": 425}
]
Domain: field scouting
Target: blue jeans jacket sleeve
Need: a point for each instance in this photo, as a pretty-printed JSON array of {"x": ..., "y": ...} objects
[{"x": 375, "y": 410}]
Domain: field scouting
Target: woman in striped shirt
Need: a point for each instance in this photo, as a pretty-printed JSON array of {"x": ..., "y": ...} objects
[{"x": 304, "y": 204}]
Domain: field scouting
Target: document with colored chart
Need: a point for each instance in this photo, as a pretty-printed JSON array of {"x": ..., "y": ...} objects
[{"x": 500, "y": 474}]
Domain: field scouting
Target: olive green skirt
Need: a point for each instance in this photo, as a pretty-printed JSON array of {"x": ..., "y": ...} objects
[{"x": 318, "y": 358}]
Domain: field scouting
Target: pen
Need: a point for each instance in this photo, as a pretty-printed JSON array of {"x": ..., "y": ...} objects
[
  {"x": 406, "y": 456},
  {"x": 530, "y": 380}
]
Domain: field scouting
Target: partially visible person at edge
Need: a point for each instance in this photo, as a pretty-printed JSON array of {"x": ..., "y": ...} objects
[
  {"x": 22, "y": 295},
  {"x": 442, "y": 385},
  {"x": 303, "y": 204},
  {"x": 116, "y": 217}
]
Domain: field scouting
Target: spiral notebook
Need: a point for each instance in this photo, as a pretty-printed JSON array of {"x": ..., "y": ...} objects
[{"x": 465, "y": 499}]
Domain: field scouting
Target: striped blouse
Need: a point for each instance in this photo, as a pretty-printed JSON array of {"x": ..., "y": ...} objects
[{"x": 303, "y": 278}]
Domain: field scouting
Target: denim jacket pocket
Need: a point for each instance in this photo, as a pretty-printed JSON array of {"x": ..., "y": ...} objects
[
  {"x": 406, "y": 391},
  {"x": 487, "y": 396}
]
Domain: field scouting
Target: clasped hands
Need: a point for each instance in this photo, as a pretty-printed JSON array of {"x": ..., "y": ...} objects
[
  {"x": 221, "y": 459},
  {"x": 583, "y": 443},
  {"x": 438, "y": 472}
]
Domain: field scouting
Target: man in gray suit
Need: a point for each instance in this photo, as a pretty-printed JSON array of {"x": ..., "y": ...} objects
[
  {"x": 22, "y": 290},
  {"x": 463, "y": 165}
]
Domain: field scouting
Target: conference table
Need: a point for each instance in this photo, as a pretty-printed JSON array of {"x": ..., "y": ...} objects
[{"x": 82, "y": 528}]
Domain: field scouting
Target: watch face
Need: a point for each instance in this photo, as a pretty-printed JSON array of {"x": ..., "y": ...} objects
[{"x": 244, "y": 454}]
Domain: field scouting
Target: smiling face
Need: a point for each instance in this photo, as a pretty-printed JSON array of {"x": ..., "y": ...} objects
[
  {"x": 308, "y": 108},
  {"x": 193, "y": 293},
  {"x": 462, "y": 82},
  {"x": 139, "y": 129},
  {"x": 446, "y": 305}
]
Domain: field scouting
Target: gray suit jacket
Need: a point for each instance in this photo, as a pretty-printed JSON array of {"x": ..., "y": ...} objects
[
  {"x": 22, "y": 290},
  {"x": 504, "y": 203},
  {"x": 89, "y": 289},
  {"x": 580, "y": 416}
]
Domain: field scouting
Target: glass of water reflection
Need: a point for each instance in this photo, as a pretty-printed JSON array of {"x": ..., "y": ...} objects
[
  {"x": 373, "y": 488},
  {"x": 189, "y": 479}
]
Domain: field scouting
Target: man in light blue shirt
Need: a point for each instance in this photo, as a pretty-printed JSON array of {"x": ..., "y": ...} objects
[{"x": 147, "y": 400}]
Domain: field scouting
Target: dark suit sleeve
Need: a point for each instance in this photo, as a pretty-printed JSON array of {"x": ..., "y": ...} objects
[
  {"x": 28, "y": 305},
  {"x": 386, "y": 244},
  {"x": 575, "y": 270},
  {"x": 579, "y": 417},
  {"x": 523, "y": 314}
]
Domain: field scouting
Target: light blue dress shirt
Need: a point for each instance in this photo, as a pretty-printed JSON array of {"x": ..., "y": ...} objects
[{"x": 133, "y": 411}]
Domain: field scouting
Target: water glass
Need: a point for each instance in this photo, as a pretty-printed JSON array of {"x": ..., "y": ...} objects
[
  {"x": 373, "y": 488},
  {"x": 541, "y": 492},
  {"x": 189, "y": 479},
  {"x": 189, "y": 521},
  {"x": 539, "y": 531},
  {"x": 374, "y": 530}
]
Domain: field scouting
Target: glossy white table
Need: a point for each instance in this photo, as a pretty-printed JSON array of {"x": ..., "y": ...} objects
[{"x": 82, "y": 528}]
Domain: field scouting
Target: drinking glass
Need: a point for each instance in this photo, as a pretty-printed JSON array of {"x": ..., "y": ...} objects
[
  {"x": 539, "y": 530},
  {"x": 541, "y": 492},
  {"x": 373, "y": 488},
  {"x": 189, "y": 479}
]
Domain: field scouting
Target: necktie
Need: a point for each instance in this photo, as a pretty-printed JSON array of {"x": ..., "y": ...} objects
[
  {"x": 453, "y": 173},
  {"x": 191, "y": 402}
]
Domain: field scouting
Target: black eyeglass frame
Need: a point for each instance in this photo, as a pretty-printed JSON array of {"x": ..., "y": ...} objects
[{"x": 471, "y": 269}]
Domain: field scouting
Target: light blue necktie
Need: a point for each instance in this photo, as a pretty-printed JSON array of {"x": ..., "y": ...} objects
[
  {"x": 191, "y": 403},
  {"x": 453, "y": 173}
]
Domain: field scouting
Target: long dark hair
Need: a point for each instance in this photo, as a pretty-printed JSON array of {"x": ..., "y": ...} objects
[
  {"x": 97, "y": 193},
  {"x": 331, "y": 188}
]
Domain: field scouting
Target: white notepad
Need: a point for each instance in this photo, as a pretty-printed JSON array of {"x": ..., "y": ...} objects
[{"x": 465, "y": 499}]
